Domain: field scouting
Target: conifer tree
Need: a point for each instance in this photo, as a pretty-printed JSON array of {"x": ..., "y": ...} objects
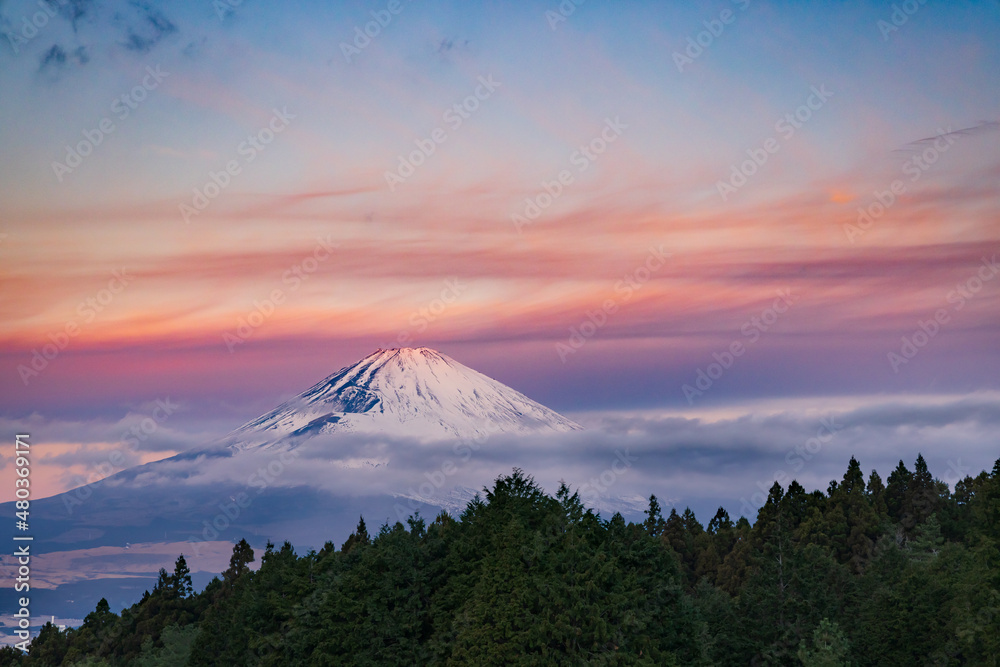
[
  {"x": 896, "y": 490},
  {"x": 239, "y": 562},
  {"x": 527, "y": 578},
  {"x": 921, "y": 496},
  {"x": 829, "y": 647},
  {"x": 654, "y": 523},
  {"x": 720, "y": 522},
  {"x": 876, "y": 494},
  {"x": 162, "y": 584},
  {"x": 180, "y": 582}
]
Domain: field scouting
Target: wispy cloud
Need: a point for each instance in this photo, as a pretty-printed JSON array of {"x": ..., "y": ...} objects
[{"x": 698, "y": 458}]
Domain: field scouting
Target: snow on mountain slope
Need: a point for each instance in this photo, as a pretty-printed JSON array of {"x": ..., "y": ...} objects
[{"x": 414, "y": 392}]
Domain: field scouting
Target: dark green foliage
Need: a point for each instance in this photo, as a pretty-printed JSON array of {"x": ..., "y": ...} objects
[
  {"x": 906, "y": 573},
  {"x": 829, "y": 647},
  {"x": 180, "y": 582},
  {"x": 897, "y": 490},
  {"x": 175, "y": 650},
  {"x": 239, "y": 562},
  {"x": 654, "y": 518},
  {"x": 358, "y": 538}
]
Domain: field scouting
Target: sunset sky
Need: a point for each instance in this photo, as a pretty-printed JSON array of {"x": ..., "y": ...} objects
[{"x": 126, "y": 243}]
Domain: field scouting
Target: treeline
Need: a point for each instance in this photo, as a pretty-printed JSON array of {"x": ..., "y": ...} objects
[{"x": 904, "y": 572}]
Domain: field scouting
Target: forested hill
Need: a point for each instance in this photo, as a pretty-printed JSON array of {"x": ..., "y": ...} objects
[{"x": 904, "y": 572}]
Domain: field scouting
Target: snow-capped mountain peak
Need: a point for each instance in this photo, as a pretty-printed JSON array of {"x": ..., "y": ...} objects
[{"x": 415, "y": 392}]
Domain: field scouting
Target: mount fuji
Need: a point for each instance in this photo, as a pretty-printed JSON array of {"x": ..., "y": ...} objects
[
  {"x": 415, "y": 392},
  {"x": 302, "y": 472}
]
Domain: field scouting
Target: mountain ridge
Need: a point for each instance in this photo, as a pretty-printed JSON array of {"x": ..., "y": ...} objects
[{"x": 417, "y": 392}]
